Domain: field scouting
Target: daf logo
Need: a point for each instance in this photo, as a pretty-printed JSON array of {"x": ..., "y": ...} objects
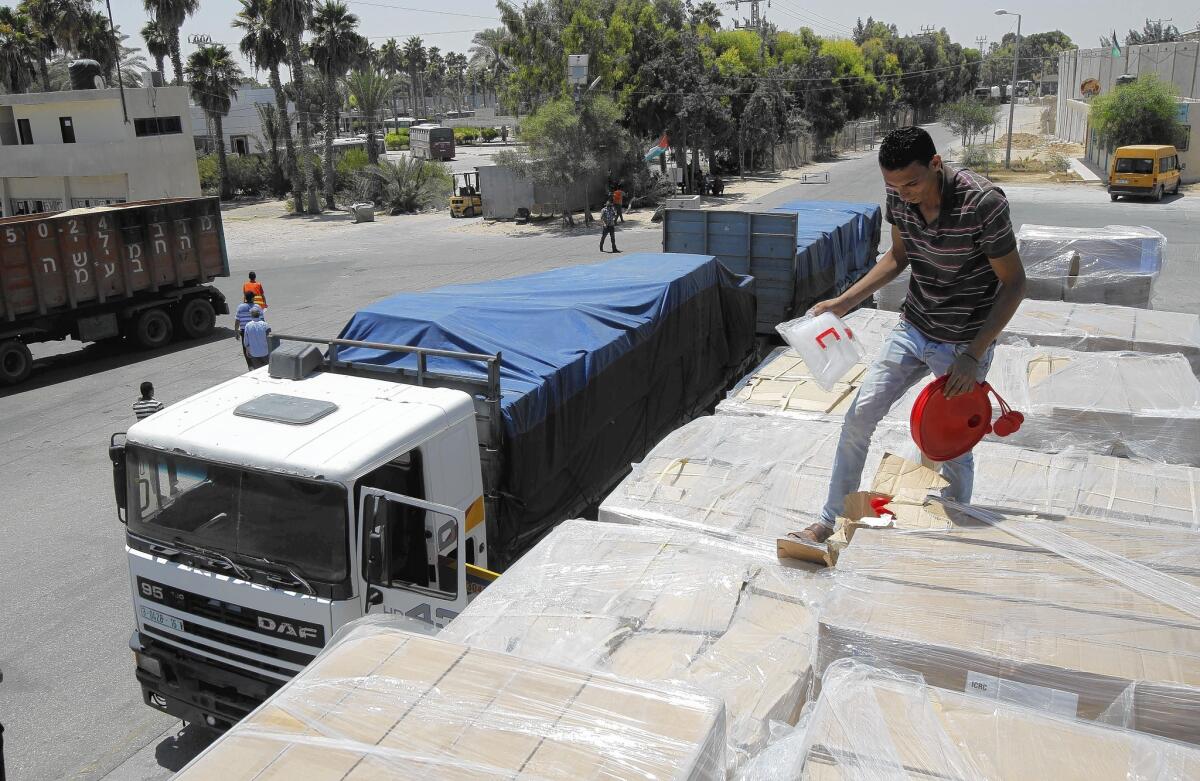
[{"x": 286, "y": 628}]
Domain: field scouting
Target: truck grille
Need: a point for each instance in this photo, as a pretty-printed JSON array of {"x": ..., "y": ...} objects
[{"x": 222, "y": 637}]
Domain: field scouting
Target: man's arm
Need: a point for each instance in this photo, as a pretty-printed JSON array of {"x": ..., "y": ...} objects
[
  {"x": 888, "y": 268},
  {"x": 1011, "y": 273}
]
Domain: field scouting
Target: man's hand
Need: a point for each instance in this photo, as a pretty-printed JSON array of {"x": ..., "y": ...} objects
[
  {"x": 961, "y": 378},
  {"x": 834, "y": 305}
]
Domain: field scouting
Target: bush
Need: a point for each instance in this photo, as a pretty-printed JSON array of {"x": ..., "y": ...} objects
[
  {"x": 347, "y": 166},
  {"x": 967, "y": 118},
  {"x": 978, "y": 157},
  {"x": 407, "y": 185},
  {"x": 1057, "y": 162},
  {"x": 397, "y": 140},
  {"x": 465, "y": 135},
  {"x": 210, "y": 173},
  {"x": 1141, "y": 112},
  {"x": 248, "y": 174},
  {"x": 489, "y": 134}
]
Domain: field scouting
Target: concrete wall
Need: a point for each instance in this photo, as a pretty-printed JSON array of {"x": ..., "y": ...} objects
[
  {"x": 1100, "y": 154},
  {"x": 108, "y": 160},
  {"x": 1177, "y": 63},
  {"x": 504, "y": 191},
  {"x": 242, "y": 119}
]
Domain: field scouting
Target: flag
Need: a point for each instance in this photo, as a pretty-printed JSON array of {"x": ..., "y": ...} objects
[
  {"x": 1116, "y": 47},
  {"x": 661, "y": 147}
]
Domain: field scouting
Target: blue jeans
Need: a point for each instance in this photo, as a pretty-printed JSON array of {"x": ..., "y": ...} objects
[{"x": 907, "y": 356}]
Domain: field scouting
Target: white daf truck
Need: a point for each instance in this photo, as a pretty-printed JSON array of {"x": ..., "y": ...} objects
[{"x": 354, "y": 476}]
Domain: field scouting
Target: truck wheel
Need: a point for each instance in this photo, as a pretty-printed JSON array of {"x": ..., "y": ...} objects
[
  {"x": 153, "y": 329},
  {"x": 1158, "y": 194},
  {"x": 1113, "y": 196},
  {"x": 15, "y": 362},
  {"x": 197, "y": 318}
]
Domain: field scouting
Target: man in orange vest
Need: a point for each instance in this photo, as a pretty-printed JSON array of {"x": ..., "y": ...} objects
[
  {"x": 618, "y": 200},
  {"x": 255, "y": 287}
]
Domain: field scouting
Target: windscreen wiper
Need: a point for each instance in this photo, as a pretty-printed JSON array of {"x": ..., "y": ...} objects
[
  {"x": 213, "y": 555},
  {"x": 292, "y": 570}
]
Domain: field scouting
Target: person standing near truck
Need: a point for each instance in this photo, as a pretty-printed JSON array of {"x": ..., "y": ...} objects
[
  {"x": 146, "y": 405},
  {"x": 608, "y": 217},
  {"x": 952, "y": 228},
  {"x": 240, "y": 318},
  {"x": 252, "y": 285},
  {"x": 256, "y": 336}
]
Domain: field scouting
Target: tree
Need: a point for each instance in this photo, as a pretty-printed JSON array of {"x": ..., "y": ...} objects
[
  {"x": 292, "y": 17},
  {"x": 391, "y": 59},
  {"x": 1141, "y": 112},
  {"x": 265, "y": 46},
  {"x": 873, "y": 29},
  {"x": 968, "y": 118},
  {"x": 435, "y": 75},
  {"x": 485, "y": 53},
  {"x": 1154, "y": 31},
  {"x": 336, "y": 46},
  {"x": 19, "y": 48},
  {"x": 98, "y": 40},
  {"x": 456, "y": 76},
  {"x": 158, "y": 44},
  {"x": 706, "y": 13},
  {"x": 269, "y": 119},
  {"x": 57, "y": 25},
  {"x": 170, "y": 15},
  {"x": 369, "y": 92},
  {"x": 213, "y": 77},
  {"x": 416, "y": 60}
]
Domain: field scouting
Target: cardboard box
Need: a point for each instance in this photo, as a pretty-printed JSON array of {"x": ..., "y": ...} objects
[
  {"x": 727, "y": 618},
  {"x": 384, "y": 703},
  {"x": 1091, "y": 619},
  {"x": 879, "y": 723},
  {"x": 783, "y": 384}
]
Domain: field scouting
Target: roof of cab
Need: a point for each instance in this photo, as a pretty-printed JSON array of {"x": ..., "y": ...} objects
[
  {"x": 374, "y": 418},
  {"x": 1143, "y": 148}
]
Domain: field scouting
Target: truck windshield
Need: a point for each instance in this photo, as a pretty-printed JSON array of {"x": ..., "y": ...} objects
[
  {"x": 1135, "y": 165},
  {"x": 239, "y": 512}
]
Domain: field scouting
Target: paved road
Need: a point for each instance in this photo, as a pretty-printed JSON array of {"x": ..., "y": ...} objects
[{"x": 69, "y": 703}]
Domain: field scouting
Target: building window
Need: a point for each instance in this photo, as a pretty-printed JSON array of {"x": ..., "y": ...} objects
[
  {"x": 36, "y": 205},
  {"x": 157, "y": 126},
  {"x": 26, "y": 134},
  {"x": 87, "y": 203},
  {"x": 68, "y": 130},
  {"x": 240, "y": 144},
  {"x": 1185, "y": 138}
]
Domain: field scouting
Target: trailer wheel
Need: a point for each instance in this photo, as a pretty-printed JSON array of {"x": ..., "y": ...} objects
[
  {"x": 153, "y": 329},
  {"x": 16, "y": 362},
  {"x": 197, "y": 318}
]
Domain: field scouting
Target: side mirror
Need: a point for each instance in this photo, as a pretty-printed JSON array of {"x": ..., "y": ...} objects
[{"x": 116, "y": 454}]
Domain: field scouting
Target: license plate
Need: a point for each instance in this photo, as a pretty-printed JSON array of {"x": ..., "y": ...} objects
[
  {"x": 162, "y": 619},
  {"x": 1122, "y": 181}
]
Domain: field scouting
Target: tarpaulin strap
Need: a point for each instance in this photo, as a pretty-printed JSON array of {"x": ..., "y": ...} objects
[
  {"x": 787, "y": 400},
  {"x": 1151, "y": 583},
  {"x": 679, "y": 462}
]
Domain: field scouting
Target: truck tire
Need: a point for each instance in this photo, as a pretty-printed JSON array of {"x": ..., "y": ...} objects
[
  {"x": 197, "y": 318},
  {"x": 153, "y": 328},
  {"x": 1158, "y": 194},
  {"x": 16, "y": 362}
]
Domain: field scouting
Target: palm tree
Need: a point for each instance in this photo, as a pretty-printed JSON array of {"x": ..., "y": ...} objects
[
  {"x": 268, "y": 118},
  {"x": 265, "y": 47},
  {"x": 99, "y": 40},
  {"x": 436, "y": 75},
  {"x": 456, "y": 67},
  {"x": 291, "y": 18},
  {"x": 391, "y": 59},
  {"x": 486, "y": 53},
  {"x": 416, "y": 60},
  {"x": 170, "y": 15},
  {"x": 58, "y": 24},
  {"x": 158, "y": 44},
  {"x": 336, "y": 45},
  {"x": 19, "y": 47},
  {"x": 213, "y": 77},
  {"x": 369, "y": 90}
]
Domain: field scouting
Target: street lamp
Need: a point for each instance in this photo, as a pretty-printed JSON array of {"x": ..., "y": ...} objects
[{"x": 1012, "y": 89}]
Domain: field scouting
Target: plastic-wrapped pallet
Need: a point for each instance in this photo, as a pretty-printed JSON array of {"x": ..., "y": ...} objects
[
  {"x": 876, "y": 724},
  {"x": 1083, "y": 618},
  {"x": 659, "y": 605},
  {"x": 891, "y": 296},
  {"x": 783, "y": 385},
  {"x": 1115, "y": 264},
  {"x": 380, "y": 702}
]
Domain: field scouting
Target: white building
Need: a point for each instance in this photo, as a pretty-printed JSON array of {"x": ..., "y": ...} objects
[
  {"x": 242, "y": 127},
  {"x": 69, "y": 149}
]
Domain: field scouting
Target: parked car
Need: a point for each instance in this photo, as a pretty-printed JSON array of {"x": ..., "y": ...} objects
[{"x": 1144, "y": 170}]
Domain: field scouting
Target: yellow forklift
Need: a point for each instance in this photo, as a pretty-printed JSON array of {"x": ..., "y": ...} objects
[{"x": 466, "y": 200}]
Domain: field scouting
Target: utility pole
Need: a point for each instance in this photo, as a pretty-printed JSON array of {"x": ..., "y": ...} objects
[
  {"x": 757, "y": 21},
  {"x": 1012, "y": 89},
  {"x": 927, "y": 30},
  {"x": 981, "y": 42}
]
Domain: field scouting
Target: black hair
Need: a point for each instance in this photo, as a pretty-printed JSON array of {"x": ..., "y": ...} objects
[
  {"x": 249, "y": 296},
  {"x": 904, "y": 146},
  {"x": 147, "y": 390},
  {"x": 252, "y": 277}
]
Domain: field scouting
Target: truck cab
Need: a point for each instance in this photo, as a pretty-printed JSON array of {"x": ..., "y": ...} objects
[{"x": 266, "y": 512}]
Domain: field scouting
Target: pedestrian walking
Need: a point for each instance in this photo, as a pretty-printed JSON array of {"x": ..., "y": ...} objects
[
  {"x": 256, "y": 336},
  {"x": 608, "y": 216},
  {"x": 146, "y": 405},
  {"x": 252, "y": 285},
  {"x": 618, "y": 199},
  {"x": 951, "y": 227},
  {"x": 240, "y": 318}
]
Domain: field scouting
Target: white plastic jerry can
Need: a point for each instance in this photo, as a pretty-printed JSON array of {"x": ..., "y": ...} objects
[{"x": 826, "y": 344}]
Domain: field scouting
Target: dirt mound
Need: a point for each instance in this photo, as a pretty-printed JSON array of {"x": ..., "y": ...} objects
[{"x": 1019, "y": 141}]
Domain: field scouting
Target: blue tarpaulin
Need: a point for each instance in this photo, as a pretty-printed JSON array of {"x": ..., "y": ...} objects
[
  {"x": 598, "y": 362},
  {"x": 840, "y": 238}
]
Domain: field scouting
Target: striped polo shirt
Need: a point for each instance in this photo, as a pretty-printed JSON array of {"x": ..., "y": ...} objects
[{"x": 953, "y": 286}]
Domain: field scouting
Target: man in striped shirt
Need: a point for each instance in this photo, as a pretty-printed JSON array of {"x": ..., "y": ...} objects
[
  {"x": 951, "y": 228},
  {"x": 147, "y": 405}
]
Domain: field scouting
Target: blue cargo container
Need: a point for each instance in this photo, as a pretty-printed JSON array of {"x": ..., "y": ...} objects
[{"x": 798, "y": 254}]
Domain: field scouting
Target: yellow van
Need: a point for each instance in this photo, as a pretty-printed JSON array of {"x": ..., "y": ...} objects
[{"x": 1144, "y": 170}]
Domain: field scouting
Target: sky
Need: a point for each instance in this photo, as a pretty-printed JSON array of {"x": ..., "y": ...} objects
[{"x": 451, "y": 26}]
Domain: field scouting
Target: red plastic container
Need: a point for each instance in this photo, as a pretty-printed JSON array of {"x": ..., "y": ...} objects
[{"x": 947, "y": 428}]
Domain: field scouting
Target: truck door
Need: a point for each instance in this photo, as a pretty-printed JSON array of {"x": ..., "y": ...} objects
[{"x": 412, "y": 557}]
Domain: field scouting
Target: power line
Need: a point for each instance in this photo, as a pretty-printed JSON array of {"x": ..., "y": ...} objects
[{"x": 422, "y": 10}]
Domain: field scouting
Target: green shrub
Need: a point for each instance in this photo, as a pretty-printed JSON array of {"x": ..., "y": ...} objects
[
  {"x": 210, "y": 173},
  {"x": 347, "y": 166},
  {"x": 489, "y": 134},
  {"x": 1057, "y": 162},
  {"x": 978, "y": 157},
  {"x": 407, "y": 185},
  {"x": 248, "y": 174},
  {"x": 1141, "y": 112},
  {"x": 397, "y": 140},
  {"x": 465, "y": 135}
]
